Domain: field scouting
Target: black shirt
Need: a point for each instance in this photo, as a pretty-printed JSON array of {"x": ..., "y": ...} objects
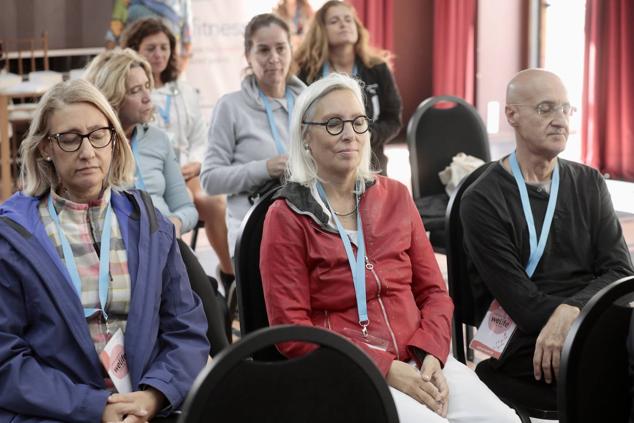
[{"x": 585, "y": 250}]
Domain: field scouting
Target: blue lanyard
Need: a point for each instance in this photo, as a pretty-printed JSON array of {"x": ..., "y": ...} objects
[
  {"x": 357, "y": 265},
  {"x": 138, "y": 176},
  {"x": 281, "y": 149},
  {"x": 537, "y": 247},
  {"x": 165, "y": 112},
  {"x": 104, "y": 259},
  {"x": 325, "y": 70}
]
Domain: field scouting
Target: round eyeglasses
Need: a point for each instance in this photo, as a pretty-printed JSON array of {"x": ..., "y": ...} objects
[
  {"x": 334, "y": 125},
  {"x": 71, "y": 141},
  {"x": 548, "y": 108}
]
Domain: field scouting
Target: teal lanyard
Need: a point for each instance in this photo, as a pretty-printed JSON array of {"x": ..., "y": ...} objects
[
  {"x": 537, "y": 247},
  {"x": 325, "y": 70},
  {"x": 357, "y": 264},
  {"x": 104, "y": 259},
  {"x": 165, "y": 112},
  {"x": 279, "y": 145},
  {"x": 138, "y": 176}
]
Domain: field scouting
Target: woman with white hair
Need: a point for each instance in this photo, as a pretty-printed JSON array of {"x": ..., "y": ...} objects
[
  {"x": 345, "y": 249},
  {"x": 97, "y": 318}
]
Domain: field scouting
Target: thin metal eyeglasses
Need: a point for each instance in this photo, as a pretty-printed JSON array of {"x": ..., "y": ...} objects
[
  {"x": 334, "y": 125},
  {"x": 72, "y": 141},
  {"x": 548, "y": 108}
]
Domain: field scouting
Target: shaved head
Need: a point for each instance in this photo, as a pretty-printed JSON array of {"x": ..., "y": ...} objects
[
  {"x": 535, "y": 101},
  {"x": 528, "y": 83}
]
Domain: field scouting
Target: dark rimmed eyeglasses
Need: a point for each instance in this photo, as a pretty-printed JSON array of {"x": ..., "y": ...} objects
[
  {"x": 548, "y": 108},
  {"x": 334, "y": 125},
  {"x": 71, "y": 141}
]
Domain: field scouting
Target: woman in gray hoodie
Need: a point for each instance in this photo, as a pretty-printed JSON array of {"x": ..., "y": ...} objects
[{"x": 248, "y": 135}]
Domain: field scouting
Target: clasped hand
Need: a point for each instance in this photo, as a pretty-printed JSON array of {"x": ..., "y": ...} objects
[
  {"x": 135, "y": 407},
  {"x": 428, "y": 386}
]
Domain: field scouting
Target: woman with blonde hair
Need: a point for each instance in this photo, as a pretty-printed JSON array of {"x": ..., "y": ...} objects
[
  {"x": 345, "y": 249},
  {"x": 297, "y": 14},
  {"x": 125, "y": 78},
  {"x": 337, "y": 42},
  {"x": 97, "y": 319}
]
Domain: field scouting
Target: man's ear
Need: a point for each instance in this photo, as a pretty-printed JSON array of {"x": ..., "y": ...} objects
[{"x": 511, "y": 115}]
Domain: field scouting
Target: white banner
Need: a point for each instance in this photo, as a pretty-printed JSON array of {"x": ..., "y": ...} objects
[{"x": 218, "y": 62}]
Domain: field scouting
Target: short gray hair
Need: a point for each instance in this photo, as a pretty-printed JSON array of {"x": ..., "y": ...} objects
[{"x": 301, "y": 166}]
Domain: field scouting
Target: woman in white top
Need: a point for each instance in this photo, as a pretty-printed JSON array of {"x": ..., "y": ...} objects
[{"x": 178, "y": 113}]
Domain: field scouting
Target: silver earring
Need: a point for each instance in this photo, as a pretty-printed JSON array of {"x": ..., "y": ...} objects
[
  {"x": 48, "y": 158},
  {"x": 306, "y": 147}
]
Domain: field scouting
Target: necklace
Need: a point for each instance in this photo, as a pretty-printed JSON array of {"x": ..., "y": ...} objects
[{"x": 348, "y": 213}]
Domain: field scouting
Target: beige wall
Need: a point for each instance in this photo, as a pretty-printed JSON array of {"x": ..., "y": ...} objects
[{"x": 69, "y": 23}]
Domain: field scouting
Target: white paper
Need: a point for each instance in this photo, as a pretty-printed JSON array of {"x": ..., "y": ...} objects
[
  {"x": 494, "y": 332},
  {"x": 114, "y": 360}
]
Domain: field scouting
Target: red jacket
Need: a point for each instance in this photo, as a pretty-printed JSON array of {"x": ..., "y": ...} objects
[{"x": 307, "y": 279}]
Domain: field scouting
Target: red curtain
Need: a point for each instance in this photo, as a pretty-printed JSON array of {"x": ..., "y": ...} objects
[
  {"x": 376, "y": 16},
  {"x": 608, "y": 90},
  {"x": 454, "y": 48}
]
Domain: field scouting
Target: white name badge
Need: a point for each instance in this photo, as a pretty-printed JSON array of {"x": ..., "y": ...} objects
[
  {"x": 114, "y": 360},
  {"x": 494, "y": 332}
]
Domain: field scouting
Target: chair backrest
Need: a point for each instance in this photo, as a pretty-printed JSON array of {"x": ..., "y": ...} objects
[
  {"x": 466, "y": 311},
  {"x": 202, "y": 286},
  {"x": 336, "y": 382},
  {"x": 25, "y": 47},
  {"x": 594, "y": 383},
  {"x": 251, "y": 304},
  {"x": 435, "y": 135}
]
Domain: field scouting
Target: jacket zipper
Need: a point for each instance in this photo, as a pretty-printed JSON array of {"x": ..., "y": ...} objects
[
  {"x": 370, "y": 267},
  {"x": 327, "y": 319}
]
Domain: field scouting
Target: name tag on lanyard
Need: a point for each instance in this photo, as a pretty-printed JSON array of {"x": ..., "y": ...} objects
[{"x": 497, "y": 327}]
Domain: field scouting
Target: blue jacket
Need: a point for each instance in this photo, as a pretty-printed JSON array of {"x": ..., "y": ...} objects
[{"x": 49, "y": 368}]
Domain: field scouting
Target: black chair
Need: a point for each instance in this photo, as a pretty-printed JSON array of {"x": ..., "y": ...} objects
[
  {"x": 434, "y": 136},
  {"x": 334, "y": 383},
  {"x": 194, "y": 237},
  {"x": 213, "y": 304},
  {"x": 251, "y": 306},
  {"x": 470, "y": 305},
  {"x": 594, "y": 383}
]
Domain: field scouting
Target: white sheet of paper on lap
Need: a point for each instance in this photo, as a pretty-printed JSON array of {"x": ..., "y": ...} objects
[
  {"x": 494, "y": 332},
  {"x": 114, "y": 360}
]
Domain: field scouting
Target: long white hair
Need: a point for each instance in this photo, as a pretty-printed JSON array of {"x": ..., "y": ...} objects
[{"x": 301, "y": 166}]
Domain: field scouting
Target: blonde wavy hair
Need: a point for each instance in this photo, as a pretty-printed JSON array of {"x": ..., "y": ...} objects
[
  {"x": 109, "y": 72},
  {"x": 37, "y": 175},
  {"x": 314, "y": 51},
  {"x": 301, "y": 166}
]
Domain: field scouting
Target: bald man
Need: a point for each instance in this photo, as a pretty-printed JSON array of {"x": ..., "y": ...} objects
[{"x": 565, "y": 205}]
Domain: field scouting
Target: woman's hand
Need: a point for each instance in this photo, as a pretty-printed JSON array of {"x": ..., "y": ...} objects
[
  {"x": 135, "y": 407},
  {"x": 276, "y": 166},
  {"x": 431, "y": 372},
  {"x": 425, "y": 387},
  {"x": 177, "y": 225},
  {"x": 190, "y": 170}
]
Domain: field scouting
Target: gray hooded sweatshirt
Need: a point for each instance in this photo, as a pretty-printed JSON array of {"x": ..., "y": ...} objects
[{"x": 238, "y": 146}]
